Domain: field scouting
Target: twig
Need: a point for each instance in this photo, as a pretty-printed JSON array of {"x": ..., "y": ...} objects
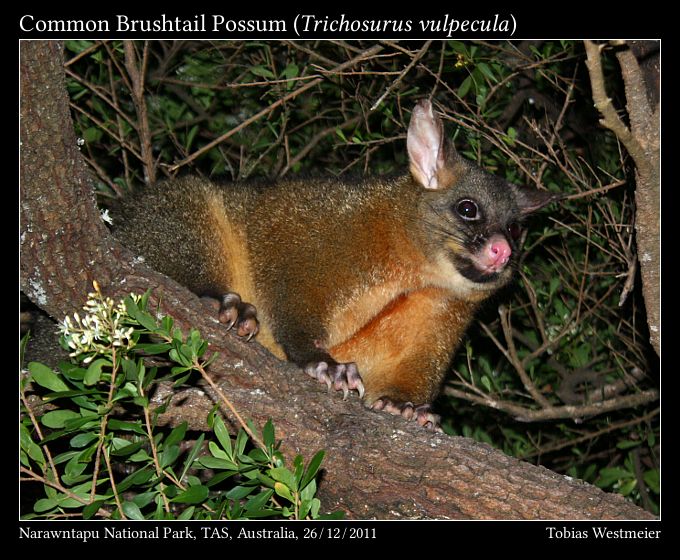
[
  {"x": 154, "y": 452},
  {"x": 292, "y": 95},
  {"x": 589, "y": 436},
  {"x": 603, "y": 103},
  {"x": 598, "y": 190},
  {"x": 641, "y": 484},
  {"x": 574, "y": 412},
  {"x": 516, "y": 362},
  {"x": 83, "y": 53},
  {"x": 106, "y": 129},
  {"x": 406, "y": 70},
  {"x": 36, "y": 425},
  {"x": 231, "y": 407},
  {"x": 60, "y": 488},
  {"x": 314, "y": 141},
  {"x": 137, "y": 76}
]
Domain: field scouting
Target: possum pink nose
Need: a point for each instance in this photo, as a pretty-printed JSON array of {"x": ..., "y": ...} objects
[{"x": 499, "y": 252}]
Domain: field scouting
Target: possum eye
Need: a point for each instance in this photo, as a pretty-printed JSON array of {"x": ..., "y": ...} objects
[
  {"x": 514, "y": 230},
  {"x": 468, "y": 210}
]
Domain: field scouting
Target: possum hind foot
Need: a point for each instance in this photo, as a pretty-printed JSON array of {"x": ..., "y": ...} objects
[
  {"x": 238, "y": 314},
  {"x": 341, "y": 377},
  {"x": 420, "y": 413},
  {"x": 234, "y": 313}
]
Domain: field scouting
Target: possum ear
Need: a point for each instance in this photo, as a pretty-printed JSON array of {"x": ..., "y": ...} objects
[
  {"x": 530, "y": 200},
  {"x": 427, "y": 150}
]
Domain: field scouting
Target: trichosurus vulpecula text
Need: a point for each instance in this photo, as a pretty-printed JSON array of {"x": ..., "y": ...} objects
[{"x": 367, "y": 285}]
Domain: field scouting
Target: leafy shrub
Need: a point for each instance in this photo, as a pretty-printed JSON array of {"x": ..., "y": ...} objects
[{"x": 97, "y": 452}]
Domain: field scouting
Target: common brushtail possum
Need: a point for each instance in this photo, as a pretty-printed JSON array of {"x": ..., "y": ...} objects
[{"x": 368, "y": 285}]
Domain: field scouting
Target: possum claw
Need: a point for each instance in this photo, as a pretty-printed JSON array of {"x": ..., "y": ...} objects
[
  {"x": 341, "y": 377},
  {"x": 236, "y": 313},
  {"x": 420, "y": 413}
]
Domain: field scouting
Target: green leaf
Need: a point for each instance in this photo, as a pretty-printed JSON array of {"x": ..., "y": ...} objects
[
  {"x": 258, "y": 455},
  {"x": 195, "y": 450},
  {"x": 45, "y": 504},
  {"x": 241, "y": 441},
  {"x": 486, "y": 382},
  {"x": 268, "y": 434},
  {"x": 219, "y": 477},
  {"x": 58, "y": 418},
  {"x": 484, "y": 69},
  {"x": 139, "y": 315},
  {"x": 137, "y": 478},
  {"x": 72, "y": 371},
  {"x": 91, "y": 509},
  {"x": 45, "y": 377},
  {"x": 555, "y": 281},
  {"x": 299, "y": 469},
  {"x": 627, "y": 444},
  {"x": 81, "y": 440},
  {"x": 168, "y": 456},
  {"x": 651, "y": 479},
  {"x": 74, "y": 468},
  {"x": 192, "y": 495},
  {"x": 32, "y": 449},
  {"x": 239, "y": 492},
  {"x": 262, "y": 71},
  {"x": 628, "y": 486},
  {"x": 223, "y": 436},
  {"x": 283, "y": 491},
  {"x": 132, "y": 511},
  {"x": 187, "y": 513},
  {"x": 458, "y": 47},
  {"x": 282, "y": 474},
  {"x": 291, "y": 71},
  {"x": 316, "y": 506},
  {"x": 256, "y": 514},
  {"x": 177, "y": 357},
  {"x": 312, "y": 469},
  {"x": 305, "y": 506},
  {"x": 465, "y": 86},
  {"x": 215, "y": 463},
  {"x": 609, "y": 476},
  {"x": 145, "y": 498},
  {"x": 177, "y": 434},
  {"x": 127, "y": 449},
  {"x": 308, "y": 492},
  {"x": 265, "y": 480},
  {"x": 82, "y": 422},
  {"x": 259, "y": 501},
  {"x": 115, "y": 425},
  {"x": 218, "y": 452}
]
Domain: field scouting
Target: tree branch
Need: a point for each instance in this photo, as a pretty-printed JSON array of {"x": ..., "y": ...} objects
[{"x": 642, "y": 143}]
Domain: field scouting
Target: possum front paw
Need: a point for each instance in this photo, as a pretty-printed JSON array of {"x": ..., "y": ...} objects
[
  {"x": 341, "y": 377},
  {"x": 420, "y": 413}
]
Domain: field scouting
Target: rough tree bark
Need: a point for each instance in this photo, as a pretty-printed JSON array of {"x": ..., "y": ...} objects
[
  {"x": 377, "y": 466},
  {"x": 640, "y": 70}
]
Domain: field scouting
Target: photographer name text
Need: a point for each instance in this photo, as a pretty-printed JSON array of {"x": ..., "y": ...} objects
[{"x": 601, "y": 533}]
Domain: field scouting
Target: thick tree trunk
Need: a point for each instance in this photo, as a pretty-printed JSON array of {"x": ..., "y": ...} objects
[{"x": 377, "y": 466}]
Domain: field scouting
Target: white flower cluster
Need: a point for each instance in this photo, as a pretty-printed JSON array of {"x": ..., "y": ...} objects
[{"x": 100, "y": 329}]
